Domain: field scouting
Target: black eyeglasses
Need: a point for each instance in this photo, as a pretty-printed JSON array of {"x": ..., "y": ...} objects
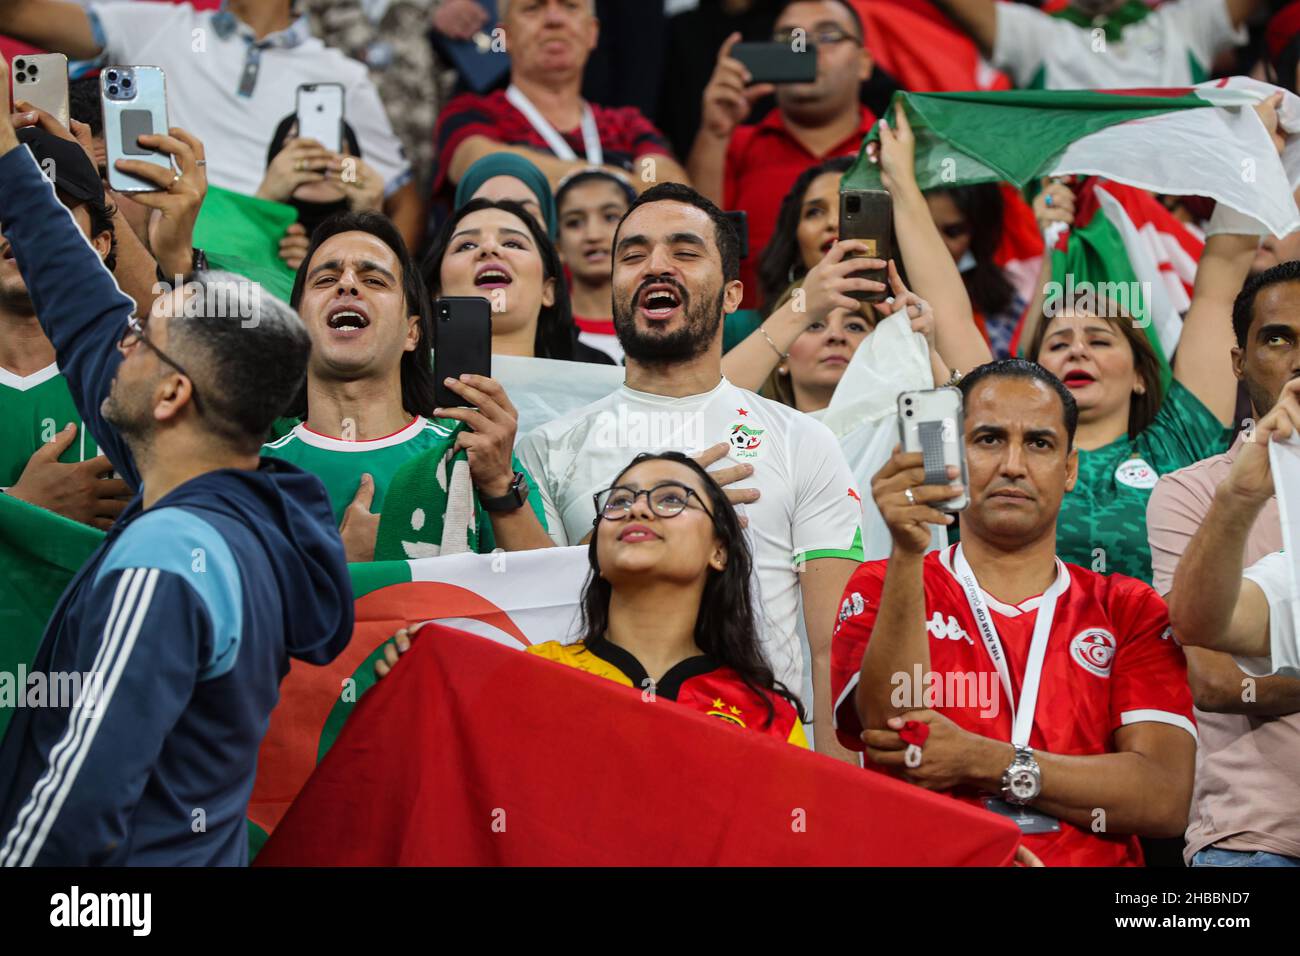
[
  {"x": 826, "y": 36},
  {"x": 667, "y": 499},
  {"x": 135, "y": 334}
]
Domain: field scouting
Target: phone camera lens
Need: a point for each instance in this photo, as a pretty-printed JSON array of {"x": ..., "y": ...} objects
[
  {"x": 112, "y": 75},
  {"x": 31, "y": 69},
  {"x": 126, "y": 83},
  {"x": 907, "y": 401},
  {"x": 854, "y": 205},
  {"x": 20, "y": 77},
  {"x": 112, "y": 90}
]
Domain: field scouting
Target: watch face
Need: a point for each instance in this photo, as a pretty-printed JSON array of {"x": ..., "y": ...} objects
[{"x": 1024, "y": 785}]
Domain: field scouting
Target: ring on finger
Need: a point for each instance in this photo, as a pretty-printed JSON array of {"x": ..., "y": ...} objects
[{"x": 907, "y": 493}]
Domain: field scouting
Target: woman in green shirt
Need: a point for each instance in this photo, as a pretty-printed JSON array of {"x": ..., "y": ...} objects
[{"x": 1132, "y": 429}]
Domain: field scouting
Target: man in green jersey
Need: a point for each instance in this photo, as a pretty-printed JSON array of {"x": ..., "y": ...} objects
[
  {"x": 47, "y": 457},
  {"x": 368, "y": 405}
]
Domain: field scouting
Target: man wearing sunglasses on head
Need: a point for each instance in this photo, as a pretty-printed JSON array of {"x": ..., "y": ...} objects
[
  {"x": 752, "y": 166},
  {"x": 223, "y": 566}
]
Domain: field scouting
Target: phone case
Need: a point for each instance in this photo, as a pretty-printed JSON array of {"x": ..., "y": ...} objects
[
  {"x": 777, "y": 62},
  {"x": 462, "y": 343},
  {"x": 42, "y": 80},
  {"x": 320, "y": 114},
  {"x": 138, "y": 107},
  {"x": 868, "y": 215},
  {"x": 932, "y": 422}
]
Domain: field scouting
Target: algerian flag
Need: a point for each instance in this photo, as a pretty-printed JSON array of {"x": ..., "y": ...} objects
[
  {"x": 517, "y": 599},
  {"x": 242, "y": 234},
  {"x": 1205, "y": 140}
]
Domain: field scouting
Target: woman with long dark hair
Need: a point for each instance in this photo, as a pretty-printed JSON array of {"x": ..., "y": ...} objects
[
  {"x": 496, "y": 250},
  {"x": 668, "y": 607}
]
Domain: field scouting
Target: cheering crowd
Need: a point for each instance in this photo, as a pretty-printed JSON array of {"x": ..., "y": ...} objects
[{"x": 1116, "y": 577}]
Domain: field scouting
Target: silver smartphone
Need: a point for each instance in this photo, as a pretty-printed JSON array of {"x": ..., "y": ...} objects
[
  {"x": 320, "y": 114},
  {"x": 932, "y": 422},
  {"x": 42, "y": 80},
  {"x": 134, "y": 99}
]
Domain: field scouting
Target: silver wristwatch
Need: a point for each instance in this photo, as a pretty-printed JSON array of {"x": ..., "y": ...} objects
[{"x": 1022, "y": 781}]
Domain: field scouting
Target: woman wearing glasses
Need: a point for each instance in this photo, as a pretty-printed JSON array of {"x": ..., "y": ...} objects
[{"x": 668, "y": 607}]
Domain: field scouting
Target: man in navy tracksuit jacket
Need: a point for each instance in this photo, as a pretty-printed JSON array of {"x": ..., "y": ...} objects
[{"x": 188, "y": 613}]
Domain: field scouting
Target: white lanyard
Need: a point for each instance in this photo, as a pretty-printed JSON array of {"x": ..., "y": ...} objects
[
  {"x": 590, "y": 135},
  {"x": 1022, "y": 716}
]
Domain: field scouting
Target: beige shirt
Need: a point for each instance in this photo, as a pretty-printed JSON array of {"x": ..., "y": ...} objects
[{"x": 1247, "y": 767}]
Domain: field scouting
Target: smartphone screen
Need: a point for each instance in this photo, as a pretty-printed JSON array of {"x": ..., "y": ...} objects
[
  {"x": 462, "y": 343},
  {"x": 320, "y": 114}
]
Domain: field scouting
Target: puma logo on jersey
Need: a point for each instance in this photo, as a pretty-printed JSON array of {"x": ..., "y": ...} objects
[{"x": 950, "y": 630}]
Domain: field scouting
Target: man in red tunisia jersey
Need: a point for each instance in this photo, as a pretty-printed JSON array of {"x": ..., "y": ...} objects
[{"x": 1087, "y": 739}]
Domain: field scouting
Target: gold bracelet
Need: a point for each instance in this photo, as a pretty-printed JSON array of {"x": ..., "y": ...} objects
[{"x": 781, "y": 355}]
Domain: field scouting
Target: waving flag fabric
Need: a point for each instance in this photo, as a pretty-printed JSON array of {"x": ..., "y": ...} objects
[{"x": 472, "y": 754}]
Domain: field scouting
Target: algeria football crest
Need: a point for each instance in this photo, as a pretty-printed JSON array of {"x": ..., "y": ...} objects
[
  {"x": 746, "y": 441},
  {"x": 1136, "y": 473}
]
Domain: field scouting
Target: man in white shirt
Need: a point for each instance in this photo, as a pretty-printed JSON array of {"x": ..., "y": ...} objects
[
  {"x": 1214, "y": 603},
  {"x": 1103, "y": 44},
  {"x": 232, "y": 76},
  {"x": 676, "y": 259}
]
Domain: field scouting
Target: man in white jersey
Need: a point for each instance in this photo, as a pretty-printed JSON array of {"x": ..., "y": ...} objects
[
  {"x": 1103, "y": 44},
  {"x": 367, "y": 407},
  {"x": 676, "y": 259},
  {"x": 1249, "y": 614}
]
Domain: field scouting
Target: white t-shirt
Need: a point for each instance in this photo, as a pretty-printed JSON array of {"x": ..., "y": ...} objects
[
  {"x": 203, "y": 72},
  {"x": 1173, "y": 45},
  {"x": 1274, "y": 574},
  {"x": 808, "y": 506}
]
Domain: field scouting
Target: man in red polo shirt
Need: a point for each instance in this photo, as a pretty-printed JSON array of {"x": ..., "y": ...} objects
[
  {"x": 997, "y": 673},
  {"x": 542, "y": 116},
  {"x": 752, "y": 167}
]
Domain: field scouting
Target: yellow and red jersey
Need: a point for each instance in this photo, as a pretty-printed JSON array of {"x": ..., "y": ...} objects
[{"x": 697, "y": 682}]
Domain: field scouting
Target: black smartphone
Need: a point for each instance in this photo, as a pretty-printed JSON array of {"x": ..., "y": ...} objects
[
  {"x": 868, "y": 215},
  {"x": 777, "y": 62},
  {"x": 740, "y": 222},
  {"x": 462, "y": 344}
]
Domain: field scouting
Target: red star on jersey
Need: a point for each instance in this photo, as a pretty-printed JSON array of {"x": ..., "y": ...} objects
[{"x": 742, "y": 412}]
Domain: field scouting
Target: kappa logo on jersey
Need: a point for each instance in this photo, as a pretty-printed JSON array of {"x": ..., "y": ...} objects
[
  {"x": 744, "y": 440},
  {"x": 949, "y": 630},
  {"x": 1094, "y": 651},
  {"x": 853, "y": 606}
]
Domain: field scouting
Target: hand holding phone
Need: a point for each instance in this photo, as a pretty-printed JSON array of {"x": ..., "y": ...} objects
[
  {"x": 134, "y": 100},
  {"x": 931, "y": 422},
  {"x": 868, "y": 215},
  {"x": 462, "y": 344}
]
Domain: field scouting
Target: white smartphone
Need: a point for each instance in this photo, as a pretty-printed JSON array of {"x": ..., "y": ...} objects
[
  {"x": 134, "y": 99},
  {"x": 42, "y": 80},
  {"x": 932, "y": 422},
  {"x": 320, "y": 114}
]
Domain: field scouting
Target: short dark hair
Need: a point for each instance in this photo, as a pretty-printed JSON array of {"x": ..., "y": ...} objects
[
  {"x": 1023, "y": 368},
  {"x": 1243, "y": 307},
  {"x": 84, "y": 103},
  {"x": 556, "y": 335},
  {"x": 253, "y": 359},
  {"x": 585, "y": 176},
  {"x": 417, "y": 364},
  {"x": 724, "y": 234},
  {"x": 852, "y": 11}
]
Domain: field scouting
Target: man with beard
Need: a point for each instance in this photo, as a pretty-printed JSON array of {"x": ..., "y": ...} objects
[
  {"x": 182, "y": 623},
  {"x": 1103, "y": 44},
  {"x": 752, "y": 167},
  {"x": 675, "y": 266}
]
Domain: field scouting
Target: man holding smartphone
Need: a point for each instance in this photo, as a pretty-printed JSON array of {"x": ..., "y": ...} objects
[
  {"x": 231, "y": 76},
  {"x": 995, "y": 672},
  {"x": 752, "y": 166}
]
